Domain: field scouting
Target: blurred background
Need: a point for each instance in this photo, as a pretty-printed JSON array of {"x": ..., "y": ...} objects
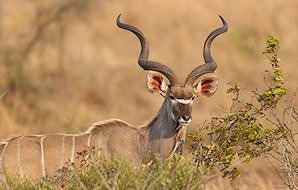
[{"x": 65, "y": 64}]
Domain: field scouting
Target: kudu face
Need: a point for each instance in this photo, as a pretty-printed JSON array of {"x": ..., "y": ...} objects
[
  {"x": 181, "y": 98},
  {"x": 180, "y": 94}
]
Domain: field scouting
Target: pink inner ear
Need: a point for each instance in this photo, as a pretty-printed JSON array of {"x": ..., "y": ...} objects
[
  {"x": 205, "y": 88},
  {"x": 206, "y": 85},
  {"x": 156, "y": 82}
]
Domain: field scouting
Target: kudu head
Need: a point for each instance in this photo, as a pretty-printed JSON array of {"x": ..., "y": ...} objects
[{"x": 179, "y": 94}]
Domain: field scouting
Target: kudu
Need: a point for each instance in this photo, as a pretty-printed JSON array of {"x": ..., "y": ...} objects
[{"x": 41, "y": 155}]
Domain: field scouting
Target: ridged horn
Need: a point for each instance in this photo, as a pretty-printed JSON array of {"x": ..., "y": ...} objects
[
  {"x": 210, "y": 65},
  {"x": 143, "y": 58}
]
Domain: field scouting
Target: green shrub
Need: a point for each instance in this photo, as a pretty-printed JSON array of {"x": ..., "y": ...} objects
[
  {"x": 179, "y": 173},
  {"x": 243, "y": 133},
  {"x": 18, "y": 183}
]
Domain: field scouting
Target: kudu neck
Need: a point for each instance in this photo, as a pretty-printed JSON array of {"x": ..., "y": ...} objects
[{"x": 163, "y": 126}]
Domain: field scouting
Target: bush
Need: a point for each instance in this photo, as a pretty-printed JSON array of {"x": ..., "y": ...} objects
[
  {"x": 252, "y": 129},
  {"x": 179, "y": 173}
]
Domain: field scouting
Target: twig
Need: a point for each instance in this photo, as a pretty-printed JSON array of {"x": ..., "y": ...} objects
[{"x": 41, "y": 27}]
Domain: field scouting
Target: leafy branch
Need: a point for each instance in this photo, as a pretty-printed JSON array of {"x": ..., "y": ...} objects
[{"x": 241, "y": 133}]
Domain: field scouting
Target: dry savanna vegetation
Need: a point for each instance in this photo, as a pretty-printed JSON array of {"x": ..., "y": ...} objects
[{"x": 65, "y": 65}]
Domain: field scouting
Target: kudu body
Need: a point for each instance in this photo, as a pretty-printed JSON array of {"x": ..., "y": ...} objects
[{"x": 41, "y": 155}]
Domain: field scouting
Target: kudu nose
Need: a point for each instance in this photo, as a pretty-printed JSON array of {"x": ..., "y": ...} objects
[{"x": 186, "y": 119}]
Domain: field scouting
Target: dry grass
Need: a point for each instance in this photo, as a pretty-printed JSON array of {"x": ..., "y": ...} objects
[{"x": 84, "y": 69}]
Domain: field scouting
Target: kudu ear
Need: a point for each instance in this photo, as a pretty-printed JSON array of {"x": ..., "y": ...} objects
[
  {"x": 156, "y": 84},
  {"x": 207, "y": 85}
]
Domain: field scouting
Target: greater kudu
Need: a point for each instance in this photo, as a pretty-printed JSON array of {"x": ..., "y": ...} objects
[{"x": 41, "y": 155}]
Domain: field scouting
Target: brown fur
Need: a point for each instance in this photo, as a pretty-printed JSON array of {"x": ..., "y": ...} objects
[{"x": 37, "y": 155}]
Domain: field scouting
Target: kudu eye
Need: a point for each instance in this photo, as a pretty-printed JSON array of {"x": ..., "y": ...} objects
[{"x": 172, "y": 97}]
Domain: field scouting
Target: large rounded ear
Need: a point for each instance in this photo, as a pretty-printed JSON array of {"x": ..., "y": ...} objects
[
  {"x": 156, "y": 84},
  {"x": 207, "y": 85}
]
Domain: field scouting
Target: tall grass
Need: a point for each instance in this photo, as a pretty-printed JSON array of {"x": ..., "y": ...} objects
[{"x": 107, "y": 175}]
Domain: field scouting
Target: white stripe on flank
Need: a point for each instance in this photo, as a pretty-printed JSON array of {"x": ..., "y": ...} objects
[
  {"x": 34, "y": 135},
  {"x": 89, "y": 140},
  {"x": 2, "y": 153},
  {"x": 62, "y": 152},
  {"x": 19, "y": 156},
  {"x": 73, "y": 148},
  {"x": 2, "y": 167},
  {"x": 88, "y": 146},
  {"x": 68, "y": 134},
  {"x": 43, "y": 169},
  {"x": 183, "y": 101}
]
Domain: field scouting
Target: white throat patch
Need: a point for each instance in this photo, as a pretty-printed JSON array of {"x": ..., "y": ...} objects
[{"x": 183, "y": 101}]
